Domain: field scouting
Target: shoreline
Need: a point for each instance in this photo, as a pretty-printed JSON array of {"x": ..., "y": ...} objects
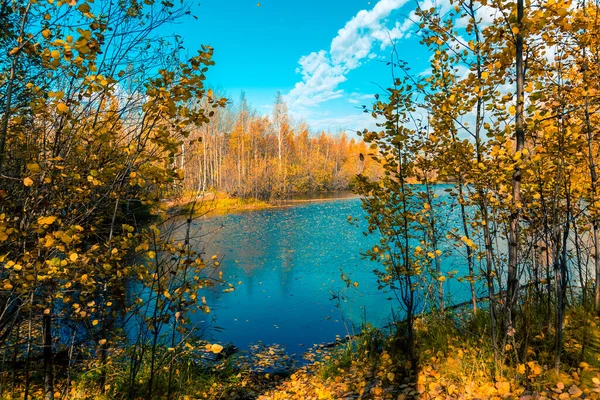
[
  {"x": 318, "y": 200},
  {"x": 214, "y": 204}
]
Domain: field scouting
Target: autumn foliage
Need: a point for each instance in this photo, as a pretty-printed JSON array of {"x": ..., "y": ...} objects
[
  {"x": 248, "y": 155},
  {"x": 101, "y": 120},
  {"x": 500, "y": 137},
  {"x": 94, "y": 109},
  {"x": 490, "y": 186}
]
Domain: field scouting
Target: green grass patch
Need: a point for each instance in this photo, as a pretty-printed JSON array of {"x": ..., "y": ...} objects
[{"x": 216, "y": 204}]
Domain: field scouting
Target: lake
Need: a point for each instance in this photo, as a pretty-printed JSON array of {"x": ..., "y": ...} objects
[{"x": 288, "y": 264}]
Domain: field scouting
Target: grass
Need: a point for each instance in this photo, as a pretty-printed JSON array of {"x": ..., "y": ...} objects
[
  {"x": 215, "y": 204},
  {"x": 455, "y": 361},
  {"x": 187, "y": 374}
]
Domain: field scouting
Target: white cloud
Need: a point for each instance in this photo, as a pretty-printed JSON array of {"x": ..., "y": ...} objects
[
  {"x": 361, "y": 39},
  {"x": 355, "y": 98},
  {"x": 323, "y": 71},
  {"x": 387, "y": 37},
  {"x": 320, "y": 79}
]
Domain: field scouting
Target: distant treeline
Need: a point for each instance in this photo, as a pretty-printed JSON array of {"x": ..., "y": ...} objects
[{"x": 247, "y": 154}]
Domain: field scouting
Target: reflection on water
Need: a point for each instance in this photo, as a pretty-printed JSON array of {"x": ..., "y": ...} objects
[
  {"x": 321, "y": 196},
  {"x": 288, "y": 262}
]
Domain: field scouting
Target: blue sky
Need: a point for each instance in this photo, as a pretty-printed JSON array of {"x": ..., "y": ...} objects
[{"x": 326, "y": 57}]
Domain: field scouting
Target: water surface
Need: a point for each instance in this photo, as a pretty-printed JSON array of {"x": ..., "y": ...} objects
[{"x": 289, "y": 263}]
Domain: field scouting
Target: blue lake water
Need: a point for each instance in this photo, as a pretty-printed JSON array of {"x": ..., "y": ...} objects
[{"x": 289, "y": 263}]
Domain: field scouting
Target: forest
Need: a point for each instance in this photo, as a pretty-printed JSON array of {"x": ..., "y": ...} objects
[
  {"x": 248, "y": 155},
  {"x": 482, "y": 172}
]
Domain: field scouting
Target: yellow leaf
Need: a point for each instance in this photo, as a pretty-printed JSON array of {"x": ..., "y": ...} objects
[
  {"x": 27, "y": 181},
  {"x": 95, "y": 322},
  {"x": 167, "y": 294},
  {"x": 575, "y": 392},
  {"x": 535, "y": 368},
  {"x": 102, "y": 342},
  {"x": 503, "y": 387},
  {"x": 62, "y": 107},
  {"x": 451, "y": 389},
  {"x": 66, "y": 238},
  {"x": 216, "y": 348},
  {"x": 33, "y": 167},
  {"x": 84, "y": 8},
  {"x": 433, "y": 386},
  {"x": 73, "y": 257},
  {"x": 515, "y": 30},
  {"x": 141, "y": 247},
  {"x": 49, "y": 220}
]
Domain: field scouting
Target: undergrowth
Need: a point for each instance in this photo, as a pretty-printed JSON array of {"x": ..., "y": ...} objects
[{"x": 456, "y": 361}]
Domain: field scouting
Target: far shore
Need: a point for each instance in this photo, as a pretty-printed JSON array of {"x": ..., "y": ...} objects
[
  {"x": 321, "y": 197},
  {"x": 217, "y": 203}
]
